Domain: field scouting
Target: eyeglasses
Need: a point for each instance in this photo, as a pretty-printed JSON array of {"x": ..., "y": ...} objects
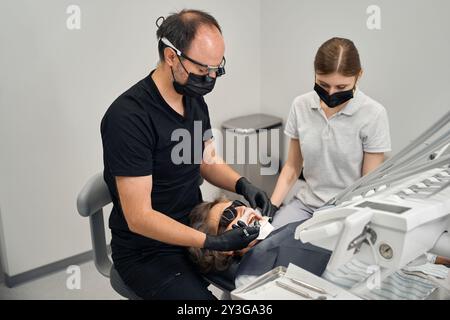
[
  {"x": 229, "y": 213},
  {"x": 218, "y": 70}
]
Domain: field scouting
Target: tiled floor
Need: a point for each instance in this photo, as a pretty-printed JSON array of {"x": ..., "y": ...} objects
[
  {"x": 94, "y": 286},
  {"x": 53, "y": 286}
]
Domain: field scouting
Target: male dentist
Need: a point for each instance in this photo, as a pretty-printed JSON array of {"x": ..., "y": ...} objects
[{"x": 153, "y": 194}]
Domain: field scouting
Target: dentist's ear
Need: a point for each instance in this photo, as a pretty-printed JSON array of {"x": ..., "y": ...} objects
[{"x": 169, "y": 56}]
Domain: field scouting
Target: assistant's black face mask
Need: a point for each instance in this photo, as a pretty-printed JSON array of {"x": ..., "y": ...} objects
[
  {"x": 196, "y": 85},
  {"x": 334, "y": 100}
]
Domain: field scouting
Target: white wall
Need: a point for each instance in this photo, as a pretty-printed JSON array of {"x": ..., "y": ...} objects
[
  {"x": 56, "y": 85},
  {"x": 406, "y": 63}
]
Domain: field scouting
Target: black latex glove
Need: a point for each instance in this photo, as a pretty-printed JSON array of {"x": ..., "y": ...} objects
[
  {"x": 273, "y": 209},
  {"x": 235, "y": 239},
  {"x": 255, "y": 196},
  {"x": 239, "y": 224}
]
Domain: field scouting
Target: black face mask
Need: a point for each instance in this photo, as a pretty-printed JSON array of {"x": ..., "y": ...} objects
[
  {"x": 335, "y": 99},
  {"x": 196, "y": 85}
]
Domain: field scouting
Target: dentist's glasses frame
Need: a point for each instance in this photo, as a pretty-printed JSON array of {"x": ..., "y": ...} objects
[{"x": 218, "y": 70}]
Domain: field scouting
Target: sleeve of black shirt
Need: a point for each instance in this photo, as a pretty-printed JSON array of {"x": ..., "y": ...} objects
[{"x": 127, "y": 140}]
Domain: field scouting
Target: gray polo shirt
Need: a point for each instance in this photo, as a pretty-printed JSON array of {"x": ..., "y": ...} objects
[{"x": 333, "y": 148}]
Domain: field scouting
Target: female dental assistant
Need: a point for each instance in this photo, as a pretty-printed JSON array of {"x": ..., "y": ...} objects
[{"x": 337, "y": 134}]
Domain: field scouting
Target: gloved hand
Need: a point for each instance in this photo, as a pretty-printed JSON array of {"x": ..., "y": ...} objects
[
  {"x": 273, "y": 209},
  {"x": 255, "y": 196},
  {"x": 235, "y": 239},
  {"x": 239, "y": 224}
]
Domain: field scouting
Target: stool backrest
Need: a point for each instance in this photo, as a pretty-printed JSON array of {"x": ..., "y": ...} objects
[
  {"x": 94, "y": 196},
  {"x": 90, "y": 202}
]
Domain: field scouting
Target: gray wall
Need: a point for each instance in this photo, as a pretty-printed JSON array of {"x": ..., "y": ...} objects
[
  {"x": 406, "y": 63},
  {"x": 2, "y": 274},
  {"x": 55, "y": 86},
  {"x": 2, "y": 249}
]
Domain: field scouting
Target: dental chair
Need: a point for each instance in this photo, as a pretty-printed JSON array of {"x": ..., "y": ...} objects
[{"x": 90, "y": 202}]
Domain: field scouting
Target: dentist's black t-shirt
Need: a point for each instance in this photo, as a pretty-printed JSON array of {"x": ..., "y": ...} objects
[{"x": 141, "y": 134}]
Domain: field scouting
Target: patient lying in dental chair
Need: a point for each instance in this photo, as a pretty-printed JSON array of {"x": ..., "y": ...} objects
[
  {"x": 277, "y": 247},
  {"x": 274, "y": 247}
]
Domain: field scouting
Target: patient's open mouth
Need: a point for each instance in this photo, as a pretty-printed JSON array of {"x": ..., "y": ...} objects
[
  {"x": 249, "y": 216},
  {"x": 251, "y": 220}
]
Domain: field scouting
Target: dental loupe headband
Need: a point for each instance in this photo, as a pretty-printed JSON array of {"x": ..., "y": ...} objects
[{"x": 220, "y": 70}]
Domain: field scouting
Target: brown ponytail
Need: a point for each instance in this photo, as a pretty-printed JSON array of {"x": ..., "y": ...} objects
[{"x": 337, "y": 55}]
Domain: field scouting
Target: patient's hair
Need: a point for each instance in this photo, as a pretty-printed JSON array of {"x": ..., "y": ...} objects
[{"x": 207, "y": 260}]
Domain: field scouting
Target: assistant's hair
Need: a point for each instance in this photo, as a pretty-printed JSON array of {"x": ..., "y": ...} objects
[
  {"x": 180, "y": 28},
  {"x": 207, "y": 260},
  {"x": 338, "y": 55}
]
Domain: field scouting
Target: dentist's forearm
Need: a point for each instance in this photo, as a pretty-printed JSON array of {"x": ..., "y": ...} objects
[
  {"x": 156, "y": 225},
  {"x": 221, "y": 175}
]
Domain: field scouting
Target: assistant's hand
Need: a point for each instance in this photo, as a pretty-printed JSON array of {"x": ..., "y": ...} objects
[
  {"x": 272, "y": 210},
  {"x": 255, "y": 196},
  {"x": 235, "y": 239}
]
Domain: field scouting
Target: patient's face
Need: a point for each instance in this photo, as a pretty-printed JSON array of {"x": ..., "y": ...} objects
[{"x": 233, "y": 213}]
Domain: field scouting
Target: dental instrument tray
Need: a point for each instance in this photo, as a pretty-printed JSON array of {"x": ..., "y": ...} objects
[
  {"x": 278, "y": 285},
  {"x": 259, "y": 287}
]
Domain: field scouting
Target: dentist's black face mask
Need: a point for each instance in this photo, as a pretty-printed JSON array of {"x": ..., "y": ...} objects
[
  {"x": 196, "y": 85},
  {"x": 334, "y": 100}
]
